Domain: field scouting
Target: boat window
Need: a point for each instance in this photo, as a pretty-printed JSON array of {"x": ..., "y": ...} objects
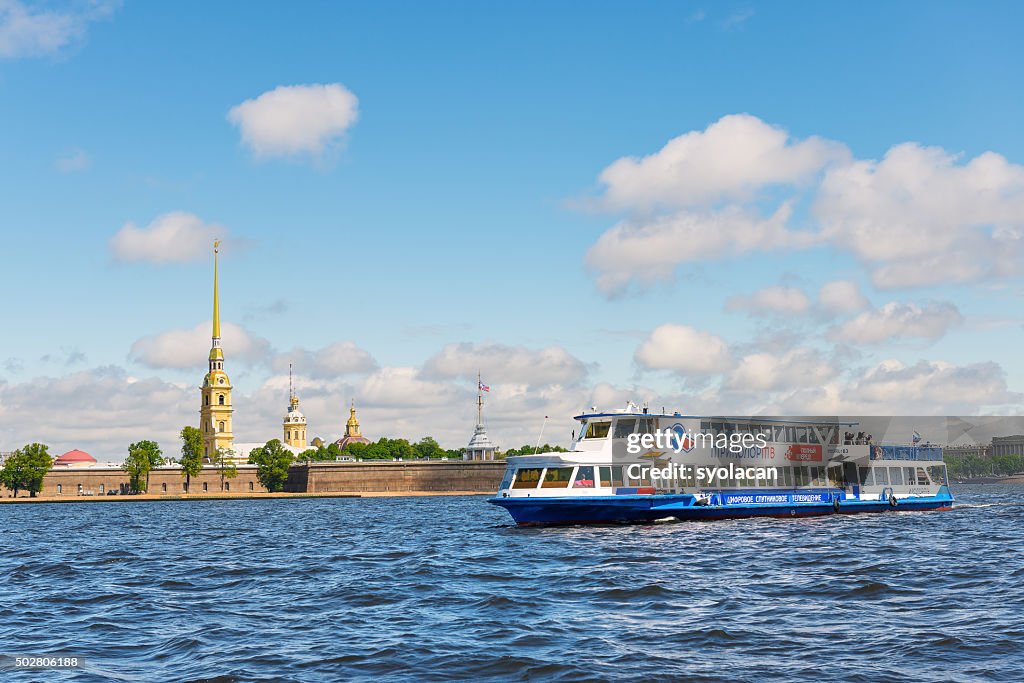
[
  {"x": 787, "y": 476},
  {"x": 911, "y": 477},
  {"x": 584, "y": 477},
  {"x": 896, "y": 476},
  {"x": 882, "y": 476},
  {"x": 597, "y": 430},
  {"x": 527, "y": 478},
  {"x": 835, "y": 476},
  {"x": 557, "y": 478},
  {"x": 624, "y": 428},
  {"x": 922, "y": 477},
  {"x": 611, "y": 476},
  {"x": 801, "y": 477},
  {"x": 937, "y": 474},
  {"x": 644, "y": 481},
  {"x": 647, "y": 425},
  {"x": 865, "y": 477},
  {"x": 507, "y": 479}
]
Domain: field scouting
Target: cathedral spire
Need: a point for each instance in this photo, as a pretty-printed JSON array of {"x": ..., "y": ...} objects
[{"x": 216, "y": 297}]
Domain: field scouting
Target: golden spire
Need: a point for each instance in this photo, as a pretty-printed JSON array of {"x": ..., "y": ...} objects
[{"x": 216, "y": 300}]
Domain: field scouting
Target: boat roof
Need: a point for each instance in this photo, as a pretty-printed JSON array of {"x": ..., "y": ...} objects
[{"x": 724, "y": 418}]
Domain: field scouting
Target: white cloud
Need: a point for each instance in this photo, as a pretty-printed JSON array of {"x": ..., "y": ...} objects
[
  {"x": 296, "y": 119},
  {"x": 737, "y": 19},
  {"x": 899, "y": 320},
  {"x": 30, "y": 32},
  {"x": 74, "y": 161},
  {"x": 771, "y": 300},
  {"x": 499, "y": 363},
  {"x": 684, "y": 349},
  {"x": 733, "y": 158},
  {"x": 334, "y": 360},
  {"x": 918, "y": 217},
  {"x": 100, "y": 410},
  {"x": 190, "y": 349},
  {"x": 841, "y": 297},
  {"x": 895, "y": 388},
  {"x": 176, "y": 237},
  {"x": 645, "y": 251},
  {"x": 772, "y": 372}
]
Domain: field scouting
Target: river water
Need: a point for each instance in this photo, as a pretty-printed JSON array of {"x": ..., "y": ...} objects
[{"x": 422, "y": 589}]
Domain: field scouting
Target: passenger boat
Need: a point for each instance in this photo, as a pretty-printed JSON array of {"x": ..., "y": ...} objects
[{"x": 630, "y": 465}]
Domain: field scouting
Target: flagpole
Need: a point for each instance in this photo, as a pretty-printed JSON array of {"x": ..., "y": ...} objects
[{"x": 541, "y": 435}]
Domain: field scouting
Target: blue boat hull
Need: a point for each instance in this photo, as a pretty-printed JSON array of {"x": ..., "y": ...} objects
[{"x": 650, "y": 508}]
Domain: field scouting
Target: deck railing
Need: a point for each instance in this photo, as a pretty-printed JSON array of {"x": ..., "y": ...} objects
[{"x": 906, "y": 453}]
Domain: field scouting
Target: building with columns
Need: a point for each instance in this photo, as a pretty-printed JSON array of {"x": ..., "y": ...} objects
[{"x": 216, "y": 410}]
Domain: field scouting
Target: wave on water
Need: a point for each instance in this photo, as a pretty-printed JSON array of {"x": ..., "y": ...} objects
[{"x": 435, "y": 589}]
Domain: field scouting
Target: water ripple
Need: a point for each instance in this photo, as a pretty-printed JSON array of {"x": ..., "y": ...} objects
[{"x": 433, "y": 589}]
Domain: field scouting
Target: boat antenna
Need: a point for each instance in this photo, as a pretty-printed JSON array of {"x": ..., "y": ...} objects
[{"x": 539, "y": 436}]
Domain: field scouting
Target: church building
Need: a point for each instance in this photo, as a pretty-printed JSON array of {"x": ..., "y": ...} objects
[
  {"x": 216, "y": 410},
  {"x": 352, "y": 433}
]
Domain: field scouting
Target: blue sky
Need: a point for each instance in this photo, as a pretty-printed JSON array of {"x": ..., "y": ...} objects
[{"x": 461, "y": 206}]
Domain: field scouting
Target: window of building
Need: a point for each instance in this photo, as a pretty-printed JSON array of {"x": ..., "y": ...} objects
[
  {"x": 527, "y": 478},
  {"x": 163, "y": 487},
  {"x": 59, "y": 489},
  {"x": 221, "y": 427},
  {"x": 206, "y": 487},
  {"x": 227, "y": 486},
  {"x": 220, "y": 399},
  {"x": 206, "y": 400},
  {"x": 559, "y": 478},
  {"x": 251, "y": 486},
  {"x": 101, "y": 489},
  {"x": 597, "y": 430}
]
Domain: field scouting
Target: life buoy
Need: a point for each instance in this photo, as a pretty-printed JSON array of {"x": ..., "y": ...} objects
[
  {"x": 892, "y": 500},
  {"x": 835, "y": 504}
]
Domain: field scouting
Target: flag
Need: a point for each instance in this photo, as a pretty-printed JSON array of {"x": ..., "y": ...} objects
[
  {"x": 917, "y": 437},
  {"x": 483, "y": 387}
]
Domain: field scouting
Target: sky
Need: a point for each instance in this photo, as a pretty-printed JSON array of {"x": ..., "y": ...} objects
[{"x": 739, "y": 208}]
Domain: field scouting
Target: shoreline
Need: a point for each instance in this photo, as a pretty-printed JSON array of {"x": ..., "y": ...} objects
[{"x": 151, "y": 497}]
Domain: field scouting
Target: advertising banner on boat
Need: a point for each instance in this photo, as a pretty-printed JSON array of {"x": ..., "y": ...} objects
[
  {"x": 804, "y": 452},
  {"x": 803, "y": 497}
]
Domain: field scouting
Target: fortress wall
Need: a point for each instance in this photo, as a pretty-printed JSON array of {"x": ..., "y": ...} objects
[
  {"x": 384, "y": 477},
  {"x": 317, "y": 477}
]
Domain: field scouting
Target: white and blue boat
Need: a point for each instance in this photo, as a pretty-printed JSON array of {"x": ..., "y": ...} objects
[{"x": 630, "y": 465}]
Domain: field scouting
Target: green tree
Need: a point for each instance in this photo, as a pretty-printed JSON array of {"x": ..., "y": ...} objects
[
  {"x": 26, "y": 468},
  {"x": 527, "y": 449},
  {"x": 191, "y": 454},
  {"x": 428, "y": 449},
  {"x": 272, "y": 462},
  {"x": 143, "y": 456},
  {"x": 223, "y": 460}
]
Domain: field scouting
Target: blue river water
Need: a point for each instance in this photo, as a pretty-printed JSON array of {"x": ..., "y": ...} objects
[{"x": 442, "y": 588}]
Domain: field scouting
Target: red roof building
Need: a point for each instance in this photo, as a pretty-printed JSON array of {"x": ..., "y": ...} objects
[{"x": 75, "y": 458}]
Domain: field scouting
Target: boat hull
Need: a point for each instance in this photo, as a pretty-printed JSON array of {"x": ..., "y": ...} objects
[{"x": 683, "y": 507}]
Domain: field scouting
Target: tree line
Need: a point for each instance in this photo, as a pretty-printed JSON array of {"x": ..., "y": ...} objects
[
  {"x": 966, "y": 466},
  {"x": 25, "y": 469}
]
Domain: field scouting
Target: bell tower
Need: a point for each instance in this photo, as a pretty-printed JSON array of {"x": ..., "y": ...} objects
[
  {"x": 294, "y": 421},
  {"x": 216, "y": 410}
]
